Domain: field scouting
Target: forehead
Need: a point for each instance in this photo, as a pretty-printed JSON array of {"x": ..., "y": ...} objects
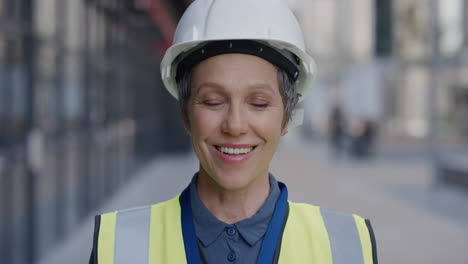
[{"x": 235, "y": 70}]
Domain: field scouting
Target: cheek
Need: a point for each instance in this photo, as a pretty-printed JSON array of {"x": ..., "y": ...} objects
[
  {"x": 202, "y": 122},
  {"x": 268, "y": 124}
]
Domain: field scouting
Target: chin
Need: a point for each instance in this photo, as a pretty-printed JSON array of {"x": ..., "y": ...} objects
[{"x": 234, "y": 181}]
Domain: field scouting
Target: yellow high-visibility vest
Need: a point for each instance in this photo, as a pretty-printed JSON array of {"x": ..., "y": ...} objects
[{"x": 153, "y": 234}]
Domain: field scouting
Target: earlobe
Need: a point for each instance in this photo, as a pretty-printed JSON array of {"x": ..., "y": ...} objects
[
  {"x": 284, "y": 128},
  {"x": 186, "y": 123},
  {"x": 284, "y": 131},
  {"x": 187, "y": 129}
]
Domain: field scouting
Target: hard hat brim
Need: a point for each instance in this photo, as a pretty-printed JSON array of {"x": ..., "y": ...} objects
[
  {"x": 281, "y": 58},
  {"x": 170, "y": 63}
]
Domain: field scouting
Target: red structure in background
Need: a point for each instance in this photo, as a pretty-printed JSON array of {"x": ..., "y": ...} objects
[{"x": 160, "y": 15}]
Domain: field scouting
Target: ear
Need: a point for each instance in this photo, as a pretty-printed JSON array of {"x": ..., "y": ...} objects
[
  {"x": 284, "y": 130},
  {"x": 186, "y": 124},
  {"x": 187, "y": 130}
]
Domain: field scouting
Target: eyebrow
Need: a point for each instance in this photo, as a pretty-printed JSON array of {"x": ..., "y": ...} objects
[
  {"x": 209, "y": 85},
  {"x": 257, "y": 86},
  {"x": 263, "y": 87}
]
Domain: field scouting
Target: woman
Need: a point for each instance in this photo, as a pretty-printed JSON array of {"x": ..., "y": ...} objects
[{"x": 238, "y": 69}]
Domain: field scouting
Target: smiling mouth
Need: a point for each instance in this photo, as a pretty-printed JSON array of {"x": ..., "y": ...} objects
[{"x": 235, "y": 151}]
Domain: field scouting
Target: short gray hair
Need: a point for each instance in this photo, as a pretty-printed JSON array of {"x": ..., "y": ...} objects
[{"x": 287, "y": 88}]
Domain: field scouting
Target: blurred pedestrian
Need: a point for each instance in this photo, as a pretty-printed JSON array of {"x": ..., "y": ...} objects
[
  {"x": 337, "y": 131},
  {"x": 238, "y": 69},
  {"x": 364, "y": 139}
]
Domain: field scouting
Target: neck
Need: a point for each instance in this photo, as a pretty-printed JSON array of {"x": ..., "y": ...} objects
[{"x": 231, "y": 206}]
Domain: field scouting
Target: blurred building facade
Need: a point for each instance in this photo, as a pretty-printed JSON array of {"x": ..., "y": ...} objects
[
  {"x": 375, "y": 60},
  {"x": 81, "y": 104},
  {"x": 413, "y": 50}
]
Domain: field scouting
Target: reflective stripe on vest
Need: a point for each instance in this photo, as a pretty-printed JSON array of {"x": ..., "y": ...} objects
[
  {"x": 312, "y": 235},
  {"x": 127, "y": 236},
  {"x": 151, "y": 235},
  {"x": 344, "y": 237}
]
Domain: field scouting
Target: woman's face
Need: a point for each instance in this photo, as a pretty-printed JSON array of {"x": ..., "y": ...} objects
[{"x": 235, "y": 113}]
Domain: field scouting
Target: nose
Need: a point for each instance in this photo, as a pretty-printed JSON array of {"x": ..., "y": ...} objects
[{"x": 235, "y": 122}]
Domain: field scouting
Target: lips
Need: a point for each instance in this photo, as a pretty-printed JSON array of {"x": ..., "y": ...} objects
[
  {"x": 234, "y": 151},
  {"x": 234, "y": 154}
]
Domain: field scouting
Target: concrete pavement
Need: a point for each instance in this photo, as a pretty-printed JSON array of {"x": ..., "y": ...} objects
[{"x": 413, "y": 222}]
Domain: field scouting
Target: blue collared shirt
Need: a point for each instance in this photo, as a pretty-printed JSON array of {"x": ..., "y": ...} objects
[{"x": 231, "y": 243}]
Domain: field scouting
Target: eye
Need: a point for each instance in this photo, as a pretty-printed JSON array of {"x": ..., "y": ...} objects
[
  {"x": 259, "y": 103},
  {"x": 262, "y": 105},
  {"x": 212, "y": 102}
]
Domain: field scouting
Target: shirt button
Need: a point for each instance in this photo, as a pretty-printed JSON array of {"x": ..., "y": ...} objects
[
  {"x": 231, "y": 256},
  {"x": 231, "y": 231}
]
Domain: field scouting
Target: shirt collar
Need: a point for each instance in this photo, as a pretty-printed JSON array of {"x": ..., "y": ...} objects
[{"x": 208, "y": 227}]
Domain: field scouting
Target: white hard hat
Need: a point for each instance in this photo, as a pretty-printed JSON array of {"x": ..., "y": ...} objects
[{"x": 212, "y": 27}]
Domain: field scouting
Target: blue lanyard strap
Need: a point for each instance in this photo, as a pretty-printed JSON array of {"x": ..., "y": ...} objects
[
  {"x": 267, "y": 251},
  {"x": 192, "y": 252},
  {"x": 270, "y": 240}
]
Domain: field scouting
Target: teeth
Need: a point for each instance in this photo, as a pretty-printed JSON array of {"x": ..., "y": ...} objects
[{"x": 235, "y": 151}]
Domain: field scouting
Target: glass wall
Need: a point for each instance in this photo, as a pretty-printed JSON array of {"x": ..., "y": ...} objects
[{"x": 81, "y": 106}]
